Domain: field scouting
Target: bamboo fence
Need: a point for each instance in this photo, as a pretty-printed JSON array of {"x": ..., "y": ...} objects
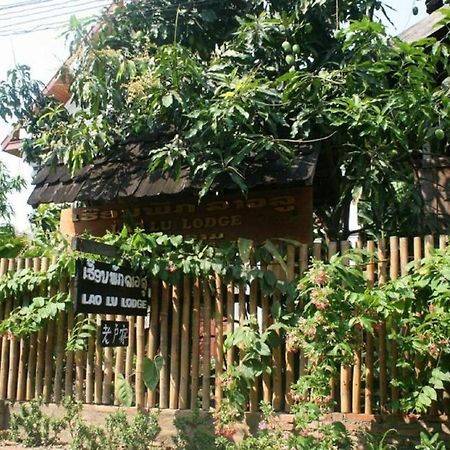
[{"x": 187, "y": 325}]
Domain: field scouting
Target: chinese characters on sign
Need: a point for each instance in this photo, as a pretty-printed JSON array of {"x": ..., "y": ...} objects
[
  {"x": 113, "y": 334},
  {"x": 102, "y": 288}
]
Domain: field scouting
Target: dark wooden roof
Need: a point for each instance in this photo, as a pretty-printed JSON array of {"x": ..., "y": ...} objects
[{"x": 123, "y": 176}]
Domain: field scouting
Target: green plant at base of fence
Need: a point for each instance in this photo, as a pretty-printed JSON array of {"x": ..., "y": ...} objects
[
  {"x": 194, "y": 431},
  {"x": 432, "y": 442},
  {"x": 151, "y": 369},
  {"x": 139, "y": 435},
  {"x": 34, "y": 428},
  {"x": 376, "y": 442}
]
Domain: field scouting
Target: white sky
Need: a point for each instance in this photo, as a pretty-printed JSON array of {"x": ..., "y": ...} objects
[{"x": 44, "y": 52}]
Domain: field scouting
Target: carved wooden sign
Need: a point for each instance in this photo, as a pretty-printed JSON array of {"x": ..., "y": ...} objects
[
  {"x": 102, "y": 288},
  {"x": 282, "y": 213}
]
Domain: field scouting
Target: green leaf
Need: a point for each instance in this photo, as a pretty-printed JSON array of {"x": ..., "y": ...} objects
[
  {"x": 244, "y": 247},
  {"x": 167, "y": 100},
  {"x": 124, "y": 391},
  {"x": 273, "y": 250},
  {"x": 152, "y": 369}
]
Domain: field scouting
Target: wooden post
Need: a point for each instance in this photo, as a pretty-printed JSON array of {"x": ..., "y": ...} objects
[
  {"x": 98, "y": 369},
  {"x": 14, "y": 345},
  {"x": 42, "y": 334},
  {"x": 382, "y": 278},
  {"x": 163, "y": 375},
  {"x": 175, "y": 350},
  {"x": 369, "y": 392},
  {"x": 108, "y": 354},
  {"x": 253, "y": 309},
  {"x": 429, "y": 244},
  {"x": 153, "y": 334},
  {"x": 195, "y": 359},
  {"x": 140, "y": 355},
  {"x": 185, "y": 329},
  {"x": 242, "y": 312},
  {"x": 206, "y": 366},
  {"x": 393, "y": 274},
  {"x": 23, "y": 352}
]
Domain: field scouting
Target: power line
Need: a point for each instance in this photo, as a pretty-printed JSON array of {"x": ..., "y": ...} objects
[
  {"x": 8, "y": 31},
  {"x": 40, "y": 19},
  {"x": 45, "y": 8}
]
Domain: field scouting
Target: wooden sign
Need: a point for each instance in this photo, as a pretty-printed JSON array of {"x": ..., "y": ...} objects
[
  {"x": 282, "y": 213},
  {"x": 102, "y": 288},
  {"x": 113, "y": 333}
]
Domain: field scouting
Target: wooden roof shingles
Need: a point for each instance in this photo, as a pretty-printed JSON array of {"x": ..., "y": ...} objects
[{"x": 123, "y": 176}]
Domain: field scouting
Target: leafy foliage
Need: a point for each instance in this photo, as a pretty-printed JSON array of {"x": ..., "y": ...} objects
[{"x": 226, "y": 83}]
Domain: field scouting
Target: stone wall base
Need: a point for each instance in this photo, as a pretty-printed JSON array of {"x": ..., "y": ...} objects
[{"x": 408, "y": 427}]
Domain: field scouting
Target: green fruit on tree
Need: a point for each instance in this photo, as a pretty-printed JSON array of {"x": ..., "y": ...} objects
[
  {"x": 286, "y": 46},
  {"x": 415, "y": 10},
  {"x": 139, "y": 35},
  {"x": 439, "y": 134},
  {"x": 296, "y": 48},
  {"x": 290, "y": 59}
]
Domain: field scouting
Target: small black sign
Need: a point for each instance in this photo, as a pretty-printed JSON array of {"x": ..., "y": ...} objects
[
  {"x": 102, "y": 288},
  {"x": 113, "y": 334}
]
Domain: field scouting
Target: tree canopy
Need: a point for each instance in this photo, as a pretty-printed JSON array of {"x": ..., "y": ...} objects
[{"x": 234, "y": 80}]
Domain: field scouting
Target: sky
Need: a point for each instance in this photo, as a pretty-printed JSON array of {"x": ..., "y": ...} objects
[{"x": 44, "y": 51}]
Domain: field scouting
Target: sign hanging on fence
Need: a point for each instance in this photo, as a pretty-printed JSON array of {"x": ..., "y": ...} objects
[
  {"x": 113, "y": 333},
  {"x": 102, "y": 288}
]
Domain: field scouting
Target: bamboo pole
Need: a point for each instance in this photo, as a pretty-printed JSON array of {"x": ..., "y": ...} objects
[
  {"x": 175, "y": 350},
  {"x": 60, "y": 341},
  {"x": 185, "y": 333},
  {"x": 90, "y": 365},
  {"x": 404, "y": 257},
  {"x": 443, "y": 240},
  {"x": 277, "y": 382},
  {"x": 242, "y": 312},
  {"x": 32, "y": 352},
  {"x": 356, "y": 378},
  {"x": 230, "y": 321},
  {"x": 266, "y": 381},
  {"x": 206, "y": 366},
  {"x": 153, "y": 335},
  {"x": 68, "y": 375},
  {"x": 49, "y": 343},
  {"x": 253, "y": 309},
  {"x": 290, "y": 356},
  {"x": 14, "y": 345},
  {"x": 369, "y": 392},
  {"x": 131, "y": 348},
  {"x": 79, "y": 368},
  {"x": 303, "y": 266},
  {"x": 140, "y": 355},
  {"x": 195, "y": 360},
  {"x": 164, "y": 343},
  {"x": 382, "y": 278},
  {"x": 23, "y": 352},
  {"x": 42, "y": 334},
  {"x": 119, "y": 365},
  {"x": 4, "y": 360},
  {"x": 98, "y": 368},
  {"x": 393, "y": 274},
  {"x": 219, "y": 341},
  {"x": 108, "y": 355},
  {"x": 429, "y": 244}
]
